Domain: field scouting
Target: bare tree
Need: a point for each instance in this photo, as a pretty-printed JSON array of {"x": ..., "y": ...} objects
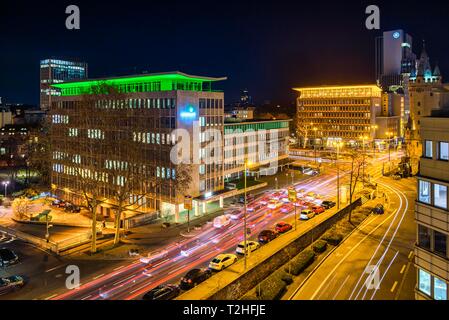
[
  {"x": 38, "y": 151},
  {"x": 21, "y": 208},
  {"x": 357, "y": 162}
]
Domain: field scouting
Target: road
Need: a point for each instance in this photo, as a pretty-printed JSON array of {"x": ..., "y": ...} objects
[{"x": 376, "y": 261}]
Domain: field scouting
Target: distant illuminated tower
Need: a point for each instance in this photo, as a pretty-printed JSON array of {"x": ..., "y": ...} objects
[
  {"x": 245, "y": 98},
  {"x": 53, "y": 71}
]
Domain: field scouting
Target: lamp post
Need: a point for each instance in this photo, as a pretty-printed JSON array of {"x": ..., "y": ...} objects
[
  {"x": 314, "y": 141},
  {"x": 247, "y": 163},
  {"x": 276, "y": 182},
  {"x": 363, "y": 160},
  {"x": 5, "y": 183},
  {"x": 389, "y": 134},
  {"x": 374, "y": 127},
  {"x": 338, "y": 145}
]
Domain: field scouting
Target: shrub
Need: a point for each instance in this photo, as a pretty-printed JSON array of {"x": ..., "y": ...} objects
[
  {"x": 300, "y": 262},
  {"x": 249, "y": 296},
  {"x": 272, "y": 287},
  {"x": 319, "y": 246},
  {"x": 332, "y": 238}
]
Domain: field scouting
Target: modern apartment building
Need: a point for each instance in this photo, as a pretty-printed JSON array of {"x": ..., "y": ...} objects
[
  {"x": 431, "y": 210},
  {"x": 53, "y": 71},
  {"x": 330, "y": 113},
  {"x": 157, "y": 113}
]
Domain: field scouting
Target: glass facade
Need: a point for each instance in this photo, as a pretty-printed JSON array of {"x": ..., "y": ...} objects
[
  {"x": 440, "y": 196},
  {"x": 428, "y": 152},
  {"x": 424, "y": 191},
  {"x": 444, "y": 151},
  {"x": 424, "y": 283}
]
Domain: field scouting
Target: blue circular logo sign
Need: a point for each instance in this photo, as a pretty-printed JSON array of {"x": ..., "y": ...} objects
[{"x": 396, "y": 35}]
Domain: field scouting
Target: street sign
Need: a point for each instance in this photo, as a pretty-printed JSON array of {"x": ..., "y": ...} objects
[
  {"x": 188, "y": 203},
  {"x": 292, "y": 194}
]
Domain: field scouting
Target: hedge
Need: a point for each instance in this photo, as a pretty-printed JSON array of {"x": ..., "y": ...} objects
[
  {"x": 272, "y": 287},
  {"x": 332, "y": 238},
  {"x": 319, "y": 246},
  {"x": 300, "y": 262}
]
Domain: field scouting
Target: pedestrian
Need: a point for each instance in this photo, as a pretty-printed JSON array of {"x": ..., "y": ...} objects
[{"x": 104, "y": 224}]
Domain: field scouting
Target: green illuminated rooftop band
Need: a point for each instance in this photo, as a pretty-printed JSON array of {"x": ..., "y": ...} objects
[
  {"x": 230, "y": 128},
  {"x": 141, "y": 83}
]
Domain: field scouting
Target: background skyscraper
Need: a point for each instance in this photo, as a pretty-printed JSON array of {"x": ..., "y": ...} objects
[{"x": 53, "y": 71}]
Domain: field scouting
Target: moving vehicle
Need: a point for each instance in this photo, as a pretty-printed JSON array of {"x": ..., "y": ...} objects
[
  {"x": 194, "y": 277},
  {"x": 251, "y": 246},
  {"x": 311, "y": 196},
  {"x": 327, "y": 204},
  {"x": 72, "y": 208},
  {"x": 11, "y": 283},
  {"x": 8, "y": 257},
  {"x": 222, "y": 261},
  {"x": 266, "y": 236},
  {"x": 254, "y": 207},
  {"x": 282, "y": 227},
  {"x": 222, "y": 221},
  {"x": 317, "y": 209},
  {"x": 306, "y": 214},
  {"x": 162, "y": 292},
  {"x": 236, "y": 214},
  {"x": 286, "y": 208},
  {"x": 274, "y": 204},
  {"x": 154, "y": 256},
  {"x": 378, "y": 209}
]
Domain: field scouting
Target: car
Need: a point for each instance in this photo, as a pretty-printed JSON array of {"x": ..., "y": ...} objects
[
  {"x": 318, "y": 209},
  {"x": 11, "y": 283},
  {"x": 266, "y": 236},
  {"x": 254, "y": 207},
  {"x": 306, "y": 214},
  {"x": 57, "y": 202},
  {"x": 194, "y": 277},
  {"x": 311, "y": 196},
  {"x": 327, "y": 204},
  {"x": 72, "y": 208},
  {"x": 286, "y": 208},
  {"x": 154, "y": 256},
  {"x": 378, "y": 209},
  {"x": 162, "y": 292},
  {"x": 222, "y": 261},
  {"x": 222, "y": 221},
  {"x": 282, "y": 227},
  {"x": 251, "y": 246},
  {"x": 274, "y": 204},
  {"x": 8, "y": 257}
]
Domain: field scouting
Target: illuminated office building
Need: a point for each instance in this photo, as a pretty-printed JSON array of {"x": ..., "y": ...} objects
[
  {"x": 329, "y": 113},
  {"x": 53, "y": 71}
]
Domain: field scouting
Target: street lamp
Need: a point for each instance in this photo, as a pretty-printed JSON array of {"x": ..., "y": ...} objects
[
  {"x": 5, "y": 183},
  {"x": 314, "y": 141},
  {"x": 363, "y": 162},
  {"x": 338, "y": 145},
  {"x": 374, "y": 127},
  {"x": 276, "y": 182},
  {"x": 247, "y": 164}
]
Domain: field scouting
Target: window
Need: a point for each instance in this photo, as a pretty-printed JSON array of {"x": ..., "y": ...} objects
[
  {"x": 424, "y": 282},
  {"x": 424, "y": 191},
  {"x": 444, "y": 151},
  {"x": 440, "y": 196},
  {"x": 439, "y": 243},
  {"x": 439, "y": 289},
  {"x": 424, "y": 237},
  {"x": 428, "y": 149}
]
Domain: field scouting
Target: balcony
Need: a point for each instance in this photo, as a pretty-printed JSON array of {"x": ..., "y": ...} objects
[
  {"x": 435, "y": 264},
  {"x": 432, "y": 216}
]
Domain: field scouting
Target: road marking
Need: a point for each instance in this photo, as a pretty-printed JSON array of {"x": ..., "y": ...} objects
[
  {"x": 381, "y": 279},
  {"x": 95, "y": 278},
  {"x": 410, "y": 254},
  {"x": 87, "y": 297},
  {"x": 394, "y": 286},
  {"x": 123, "y": 280},
  {"x": 141, "y": 287},
  {"x": 403, "y": 269},
  {"x": 175, "y": 270},
  {"x": 52, "y": 296},
  {"x": 55, "y": 268},
  {"x": 119, "y": 268},
  {"x": 341, "y": 287}
]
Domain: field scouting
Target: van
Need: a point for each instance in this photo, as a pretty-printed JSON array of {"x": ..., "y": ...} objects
[{"x": 222, "y": 221}]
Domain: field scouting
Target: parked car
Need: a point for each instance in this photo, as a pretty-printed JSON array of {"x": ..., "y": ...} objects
[
  {"x": 162, "y": 292},
  {"x": 328, "y": 204},
  {"x": 11, "y": 283},
  {"x": 57, "y": 203},
  {"x": 266, "y": 236},
  {"x": 222, "y": 261},
  {"x": 251, "y": 246},
  {"x": 8, "y": 257},
  {"x": 222, "y": 221},
  {"x": 282, "y": 227},
  {"x": 194, "y": 277},
  {"x": 378, "y": 209},
  {"x": 317, "y": 209},
  {"x": 154, "y": 256},
  {"x": 72, "y": 208},
  {"x": 306, "y": 214}
]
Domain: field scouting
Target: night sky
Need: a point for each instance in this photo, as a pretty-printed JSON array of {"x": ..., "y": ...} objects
[{"x": 265, "y": 46}]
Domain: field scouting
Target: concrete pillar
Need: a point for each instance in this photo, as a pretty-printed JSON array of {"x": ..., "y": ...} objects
[
  {"x": 203, "y": 211},
  {"x": 221, "y": 202},
  {"x": 176, "y": 213},
  {"x": 196, "y": 208}
]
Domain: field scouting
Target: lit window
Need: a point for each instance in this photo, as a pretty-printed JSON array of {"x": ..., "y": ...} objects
[
  {"x": 440, "y": 196},
  {"x": 424, "y": 191},
  {"x": 444, "y": 151},
  {"x": 439, "y": 289},
  {"x": 428, "y": 149},
  {"x": 424, "y": 282}
]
